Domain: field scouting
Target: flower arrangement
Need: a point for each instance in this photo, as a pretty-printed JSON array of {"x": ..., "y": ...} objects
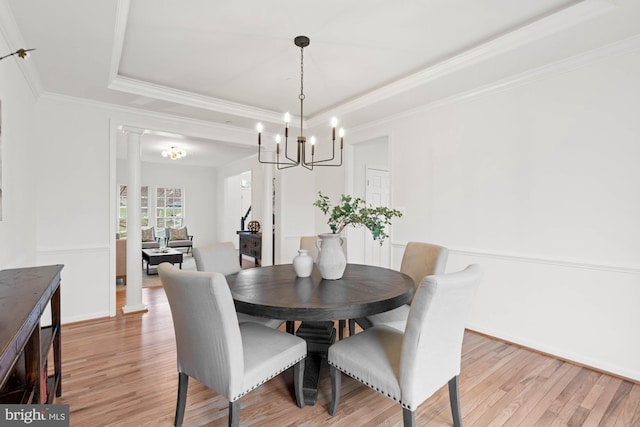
[{"x": 355, "y": 212}]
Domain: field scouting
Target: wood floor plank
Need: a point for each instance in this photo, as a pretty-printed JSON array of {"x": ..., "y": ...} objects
[{"x": 121, "y": 371}]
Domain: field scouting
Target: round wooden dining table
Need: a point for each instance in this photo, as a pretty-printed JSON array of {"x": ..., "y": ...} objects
[{"x": 275, "y": 292}]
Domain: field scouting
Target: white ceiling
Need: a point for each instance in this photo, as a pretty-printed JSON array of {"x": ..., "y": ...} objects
[{"x": 234, "y": 63}]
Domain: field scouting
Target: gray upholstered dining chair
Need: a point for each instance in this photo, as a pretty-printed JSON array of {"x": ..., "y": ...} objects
[
  {"x": 222, "y": 258},
  {"x": 419, "y": 260},
  {"x": 229, "y": 357},
  {"x": 412, "y": 365},
  {"x": 309, "y": 244}
]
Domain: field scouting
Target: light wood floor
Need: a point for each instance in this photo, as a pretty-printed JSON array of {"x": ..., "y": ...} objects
[{"x": 121, "y": 371}]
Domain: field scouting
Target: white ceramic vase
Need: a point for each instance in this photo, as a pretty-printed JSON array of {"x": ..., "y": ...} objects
[
  {"x": 303, "y": 263},
  {"x": 331, "y": 259}
]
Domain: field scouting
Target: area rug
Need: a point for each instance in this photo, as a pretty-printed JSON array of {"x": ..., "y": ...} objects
[{"x": 152, "y": 279}]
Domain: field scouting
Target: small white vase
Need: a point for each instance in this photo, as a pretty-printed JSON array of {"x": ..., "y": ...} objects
[
  {"x": 331, "y": 259},
  {"x": 303, "y": 263}
]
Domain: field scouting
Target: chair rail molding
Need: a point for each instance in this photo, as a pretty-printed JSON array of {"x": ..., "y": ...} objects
[{"x": 533, "y": 259}]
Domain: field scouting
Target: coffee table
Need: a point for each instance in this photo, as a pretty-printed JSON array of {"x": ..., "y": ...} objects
[{"x": 158, "y": 256}]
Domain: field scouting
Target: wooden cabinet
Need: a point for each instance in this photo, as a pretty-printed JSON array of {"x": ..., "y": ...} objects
[
  {"x": 24, "y": 342},
  {"x": 250, "y": 245}
]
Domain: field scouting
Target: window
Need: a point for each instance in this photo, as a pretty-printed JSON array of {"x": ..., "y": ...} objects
[
  {"x": 122, "y": 209},
  {"x": 169, "y": 208}
]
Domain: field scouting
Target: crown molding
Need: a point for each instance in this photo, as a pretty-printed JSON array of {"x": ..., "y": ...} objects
[
  {"x": 135, "y": 116},
  {"x": 155, "y": 91},
  {"x": 562, "y": 20},
  {"x": 566, "y": 18},
  {"x": 11, "y": 33},
  {"x": 122, "y": 16},
  {"x": 620, "y": 47}
]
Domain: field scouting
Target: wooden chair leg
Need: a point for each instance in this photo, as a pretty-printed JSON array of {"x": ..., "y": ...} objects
[
  {"x": 290, "y": 327},
  {"x": 234, "y": 413},
  {"x": 454, "y": 399},
  {"x": 183, "y": 383},
  {"x": 341, "y": 325},
  {"x": 352, "y": 327},
  {"x": 336, "y": 379},
  {"x": 298, "y": 380},
  {"x": 408, "y": 418}
]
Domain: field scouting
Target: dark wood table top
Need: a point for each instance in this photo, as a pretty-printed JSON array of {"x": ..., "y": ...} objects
[{"x": 277, "y": 293}]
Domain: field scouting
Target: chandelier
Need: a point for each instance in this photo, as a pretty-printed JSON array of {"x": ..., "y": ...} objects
[
  {"x": 174, "y": 153},
  {"x": 300, "y": 158}
]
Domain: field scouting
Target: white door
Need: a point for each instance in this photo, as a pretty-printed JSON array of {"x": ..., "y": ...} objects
[{"x": 377, "y": 194}]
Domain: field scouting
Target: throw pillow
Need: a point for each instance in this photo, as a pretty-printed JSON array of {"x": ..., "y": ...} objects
[
  {"x": 147, "y": 235},
  {"x": 178, "y": 234}
]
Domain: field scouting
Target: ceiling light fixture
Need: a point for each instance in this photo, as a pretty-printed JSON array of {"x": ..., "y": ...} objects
[
  {"x": 22, "y": 53},
  {"x": 174, "y": 153},
  {"x": 301, "y": 159}
]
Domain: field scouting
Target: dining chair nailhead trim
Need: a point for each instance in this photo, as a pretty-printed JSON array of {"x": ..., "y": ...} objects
[
  {"x": 266, "y": 379},
  {"x": 404, "y": 405}
]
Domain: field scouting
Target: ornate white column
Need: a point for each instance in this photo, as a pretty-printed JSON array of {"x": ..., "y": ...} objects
[{"x": 134, "y": 231}]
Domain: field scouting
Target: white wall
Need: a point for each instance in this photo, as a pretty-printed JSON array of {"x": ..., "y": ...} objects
[
  {"x": 19, "y": 172},
  {"x": 73, "y": 213},
  {"x": 538, "y": 183}
]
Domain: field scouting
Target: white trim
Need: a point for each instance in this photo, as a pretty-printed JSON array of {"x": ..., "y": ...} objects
[
  {"x": 72, "y": 249},
  {"x": 562, "y": 20},
  {"x": 554, "y": 23},
  {"x": 143, "y": 119},
  {"x": 620, "y": 47},
  {"x": 155, "y": 91},
  {"x": 534, "y": 259},
  {"x": 86, "y": 316},
  {"x": 128, "y": 309},
  {"x": 554, "y": 351},
  {"x": 122, "y": 16}
]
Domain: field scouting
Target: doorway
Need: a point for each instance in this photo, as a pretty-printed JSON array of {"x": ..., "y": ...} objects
[
  {"x": 377, "y": 194},
  {"x": 237, "y": 205},
  {"x": 371, "y": 181}
]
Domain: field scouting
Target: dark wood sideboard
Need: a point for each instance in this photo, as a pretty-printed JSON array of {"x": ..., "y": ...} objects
[
  {"x": 250, "y": 245},
  {"x": 24, "y": 342}
]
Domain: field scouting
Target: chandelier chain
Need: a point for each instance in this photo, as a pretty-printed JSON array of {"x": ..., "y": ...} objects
[{"x": 301, "y": 74}]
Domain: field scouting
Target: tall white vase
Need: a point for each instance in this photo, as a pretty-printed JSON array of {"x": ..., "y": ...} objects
[{"x": 331, "y": 260}]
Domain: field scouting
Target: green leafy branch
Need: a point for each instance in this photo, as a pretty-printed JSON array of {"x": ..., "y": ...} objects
[{"x": 355, "y": 212}]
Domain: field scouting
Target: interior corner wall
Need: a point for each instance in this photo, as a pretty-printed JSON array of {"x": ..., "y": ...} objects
[
  {"x": 18, "y": 172},
  {"x": 538, "y": 183}
]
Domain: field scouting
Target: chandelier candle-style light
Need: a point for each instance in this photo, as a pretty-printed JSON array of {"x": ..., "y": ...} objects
[
  {"x": 301, "y": 158},
  {"x": 174, "y": 153}
]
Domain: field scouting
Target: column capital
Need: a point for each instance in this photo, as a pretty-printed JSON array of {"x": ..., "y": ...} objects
[{"x": 133, "y": 130}]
